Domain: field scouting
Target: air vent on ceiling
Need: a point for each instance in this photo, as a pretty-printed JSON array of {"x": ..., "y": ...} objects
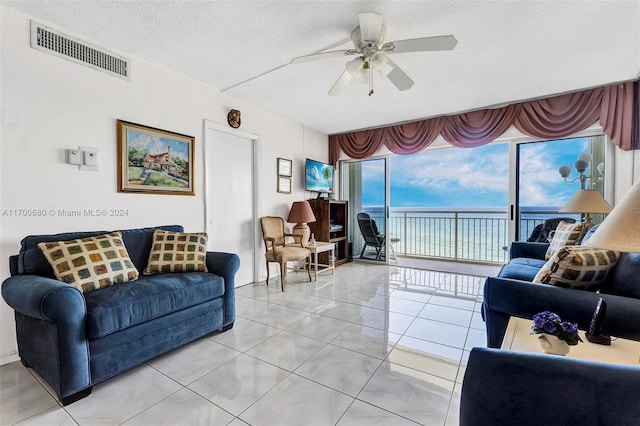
[{"x": 76, "y": 50}]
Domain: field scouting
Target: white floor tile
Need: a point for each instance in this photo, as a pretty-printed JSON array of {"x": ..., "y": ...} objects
[
  {"x": 340, "y": 369},
  {"x": 192, "y": 361},
  {"x": 182, "y": 408},
  {"x": 239, "y": 383},
  {"x": 366, "y": 340},
  {"x": 244, "y": 335},
  {"x": 21, "y": 395},
  {"x": 298, "y": 401},
  {"x": 428, "y": 357},
  {"x": 360, "y": 413},
  {"x": 409, "y": 393},
  {"x": 296, "y": 357},
  {"x": 438, "y": 332},
  {"x": 286, "y": 350},
  {"x": 115, "y": 401}
]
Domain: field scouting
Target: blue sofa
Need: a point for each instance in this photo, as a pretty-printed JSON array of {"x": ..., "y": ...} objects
[
  {"x": 75, "y": 340},
  {"x": 517, "y": 388},
  {"x": 512, "y": 293}
]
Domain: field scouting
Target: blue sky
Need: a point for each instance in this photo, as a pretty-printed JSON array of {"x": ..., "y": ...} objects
[{"x": 474, "y": 177}]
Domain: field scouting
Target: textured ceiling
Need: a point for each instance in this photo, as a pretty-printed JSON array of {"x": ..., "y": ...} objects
[{"x": 507, "y": 50}]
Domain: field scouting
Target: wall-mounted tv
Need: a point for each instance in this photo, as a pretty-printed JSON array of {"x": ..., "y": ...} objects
[{"x": 318, "y": 176}]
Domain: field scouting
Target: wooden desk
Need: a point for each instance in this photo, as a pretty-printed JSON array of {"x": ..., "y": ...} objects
[
  {"x": 621, "y": 351},
  {"x": 321, "y": 247}
]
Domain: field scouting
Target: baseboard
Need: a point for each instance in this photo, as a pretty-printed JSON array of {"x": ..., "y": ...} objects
[{"x": 8, "y": 359}]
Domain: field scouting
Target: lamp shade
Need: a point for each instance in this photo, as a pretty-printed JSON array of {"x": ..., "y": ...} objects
[
  {"x": 586, "y": 201},
  {"x": 620, "y": 231},
  {"x": 301, "y": 212}
]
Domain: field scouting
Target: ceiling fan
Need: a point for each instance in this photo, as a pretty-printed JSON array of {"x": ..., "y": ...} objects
[{"x": 373, "y": 54}]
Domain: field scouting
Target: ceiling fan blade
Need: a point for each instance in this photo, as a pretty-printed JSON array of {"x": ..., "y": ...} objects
[
  {"x": 370, "y": 26},
  {"x": 340, "y": 84},
  {"x": 398, "y": 77},
  {"x": 424, "y": 44},
  {"x": 323, "y": 55}
]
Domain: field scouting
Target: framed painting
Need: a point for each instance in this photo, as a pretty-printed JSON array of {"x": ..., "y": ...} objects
[
  {"x": 284, "y": 185},
  {"x": 284, "y": 167},
  {"x": 154, "y": 161}
]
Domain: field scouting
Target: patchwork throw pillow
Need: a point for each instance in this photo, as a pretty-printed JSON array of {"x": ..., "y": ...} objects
[
  {"x": 566, "y": 234},
  {"x": 90, "y": 263},
  {"x": 577, "y": 267},
  {"x": 177, "y": 252}
]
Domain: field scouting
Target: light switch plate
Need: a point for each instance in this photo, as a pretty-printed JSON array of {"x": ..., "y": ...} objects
[
  {"x": 90, "y": 159},
  {"x": 74, "y": 156}
]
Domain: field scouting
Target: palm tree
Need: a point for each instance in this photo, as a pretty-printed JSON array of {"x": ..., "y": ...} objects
[{"x": 326, "y": 173}]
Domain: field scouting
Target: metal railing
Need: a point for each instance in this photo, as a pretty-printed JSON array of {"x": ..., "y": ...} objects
[{"x": 461, "y": 235}]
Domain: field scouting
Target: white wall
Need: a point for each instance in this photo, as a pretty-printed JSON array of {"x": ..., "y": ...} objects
[{"x": 48, "y": 104}]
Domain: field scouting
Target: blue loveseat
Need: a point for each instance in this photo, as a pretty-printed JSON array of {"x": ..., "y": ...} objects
[
  {"x": 512, "y": 293},
  {"x": 518, "y": 388},
  {"x": 75, "y": 340}
]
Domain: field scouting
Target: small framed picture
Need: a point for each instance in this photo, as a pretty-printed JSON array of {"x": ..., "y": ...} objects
[
  {"x": 284, "y": 167},
  {"x": 284, "y": 184}
]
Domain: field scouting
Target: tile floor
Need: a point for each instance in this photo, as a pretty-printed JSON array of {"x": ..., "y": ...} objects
[{"x": 370, "y": 345}]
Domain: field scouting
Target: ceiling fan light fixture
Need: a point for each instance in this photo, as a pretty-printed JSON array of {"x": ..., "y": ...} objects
[{"x": 357, "y": 68}]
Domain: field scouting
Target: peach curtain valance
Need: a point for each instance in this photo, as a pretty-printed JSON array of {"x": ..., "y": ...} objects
[{"x": 617, "y": 107}]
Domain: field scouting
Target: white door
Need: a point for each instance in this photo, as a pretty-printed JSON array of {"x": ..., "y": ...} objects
[{"x": 230, "y": 201}]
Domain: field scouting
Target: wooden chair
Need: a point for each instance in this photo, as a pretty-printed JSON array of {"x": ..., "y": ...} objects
[{"x": 278, "y": 251}]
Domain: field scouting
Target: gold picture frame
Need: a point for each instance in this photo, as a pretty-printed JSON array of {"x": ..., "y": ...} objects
[
  {"x": 154, "y": 161},
  {"x": 284, "y": 184},
  {"x": 285, "y": 167}
]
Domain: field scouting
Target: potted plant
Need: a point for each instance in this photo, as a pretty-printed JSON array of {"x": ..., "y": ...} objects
[{"x": 555, "y": 335}]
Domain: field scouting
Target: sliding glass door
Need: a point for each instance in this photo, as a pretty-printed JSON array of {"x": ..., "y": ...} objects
[
  {"x": 364, "y": 186},
  {"x": 542, "y": 191}
]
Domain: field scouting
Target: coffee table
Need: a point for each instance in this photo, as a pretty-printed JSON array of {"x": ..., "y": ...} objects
[{"x": 621, "y": 351}]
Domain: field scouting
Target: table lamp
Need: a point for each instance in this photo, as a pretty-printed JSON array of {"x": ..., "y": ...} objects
[
  {"x": 620, "y": 231},
  {"x": 586, "y": 201},
  {"x": 300, "y": 214}
]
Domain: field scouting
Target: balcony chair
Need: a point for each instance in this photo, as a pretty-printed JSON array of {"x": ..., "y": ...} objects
[
  {"x": 542, "y": 232},
  {"x": 280, "y": 252},
  {"x": 372, "y": 237}
]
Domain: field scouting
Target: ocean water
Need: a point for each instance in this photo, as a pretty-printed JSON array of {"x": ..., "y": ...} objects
[{"x": 471, "y": 234}]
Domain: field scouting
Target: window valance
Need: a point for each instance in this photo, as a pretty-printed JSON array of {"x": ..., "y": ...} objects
[{"x": 616, "y": 107}]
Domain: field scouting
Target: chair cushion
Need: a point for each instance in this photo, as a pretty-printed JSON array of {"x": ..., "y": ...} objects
[
  {"x": 567, "y": 234},
  {"x": 284, "y": 254},
  {"x": 118, "y": 307},
  {"x": 177, "y": 252},
  {"x": 90, "y": 263},
  {"x": 577, "y": 267}
]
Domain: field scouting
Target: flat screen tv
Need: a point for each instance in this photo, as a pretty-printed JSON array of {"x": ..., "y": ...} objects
[{"x": 318, "y": 176}]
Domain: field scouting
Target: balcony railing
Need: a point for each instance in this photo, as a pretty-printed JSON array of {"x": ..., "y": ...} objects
[{"x": 469, "y": 235}]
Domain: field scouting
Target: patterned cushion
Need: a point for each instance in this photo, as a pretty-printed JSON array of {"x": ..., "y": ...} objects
[
  {"x": 577, "y": 267},
  {"x": 567, "y": 234},
  {"x": 177, "y": 252},
  {"x": 90, "y": 263}
]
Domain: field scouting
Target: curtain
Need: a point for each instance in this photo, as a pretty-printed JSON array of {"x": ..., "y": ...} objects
[{"x": 616, "y": 107}]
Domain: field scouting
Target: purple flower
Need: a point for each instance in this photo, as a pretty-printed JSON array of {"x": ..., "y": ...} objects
[
  {"x": 550, "y": 327},
  {"x": 549, "y": 323},
  {"x": 569, "y": 328}
]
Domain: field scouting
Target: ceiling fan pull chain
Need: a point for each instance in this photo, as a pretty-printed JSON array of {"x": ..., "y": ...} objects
[{"x": 370, "y": 81}]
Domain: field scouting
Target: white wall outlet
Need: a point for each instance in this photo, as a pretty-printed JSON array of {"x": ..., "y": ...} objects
[
  {"x": 74, "y": 156},
  {"x": 89, "y": 158}
]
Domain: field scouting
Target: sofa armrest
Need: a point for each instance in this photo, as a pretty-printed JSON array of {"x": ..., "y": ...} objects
[
  {"x": 51, "y": 314},
  {"x": 503, "y": 387},
  {"x": 44, "y": 298},
  {"x": 504, "y": 298},
  {"x": 526, "y": 249},
  {"x": 226, "y": 265}
]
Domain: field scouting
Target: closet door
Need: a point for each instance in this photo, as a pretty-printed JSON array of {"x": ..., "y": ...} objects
[{"x": 230, "y": 188}]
